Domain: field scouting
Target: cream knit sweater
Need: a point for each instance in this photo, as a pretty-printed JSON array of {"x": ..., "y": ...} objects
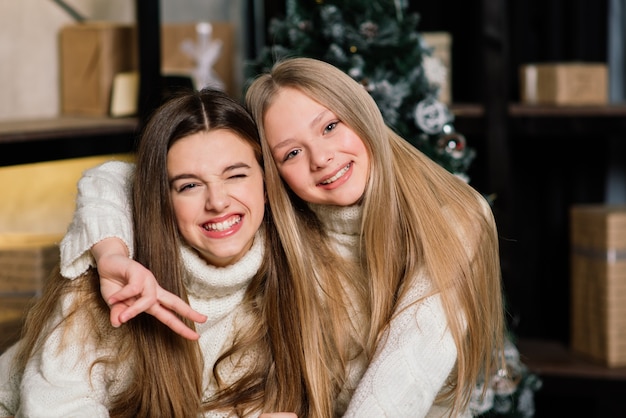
[{"x": 413, "y": 361}]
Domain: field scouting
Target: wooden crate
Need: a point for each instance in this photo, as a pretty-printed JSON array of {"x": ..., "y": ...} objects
[
  {"x": 23, "y": 271},
  {"x": 12, "y": 313},
  {"x": 26, "y": 261},
  {"x": 598, "y": 282}
]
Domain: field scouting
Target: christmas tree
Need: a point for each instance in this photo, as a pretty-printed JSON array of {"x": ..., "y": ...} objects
[{"x": 377, "y": 43}]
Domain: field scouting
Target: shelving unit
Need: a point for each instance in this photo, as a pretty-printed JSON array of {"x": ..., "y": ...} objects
[
  {"x": 541, "y": 160},
  {"x": 30, "y": 141}
]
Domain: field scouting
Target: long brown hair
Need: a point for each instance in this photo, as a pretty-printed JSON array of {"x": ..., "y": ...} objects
[
  {"x": 274, "y": 379},
  {"x": 166, "y": 369}
]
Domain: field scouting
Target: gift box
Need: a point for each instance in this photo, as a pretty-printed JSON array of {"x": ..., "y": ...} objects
[
  {"x": 91, "y": 55},
  {"x": 441, "y": 42},
  {"x": 598, "y": 283},
  {"x": 26, "y": 261},
  {"x": 564, "y": 84},
  {"x": 11, "y": 320}
]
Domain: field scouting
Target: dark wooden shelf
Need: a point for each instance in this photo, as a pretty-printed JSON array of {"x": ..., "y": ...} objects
[
  {"x": 525, "y": 110},
  {"x": 35, "y": 140},
  {"x": 63, "y": 127},
  {"x": 551, "y": 358},
  {"x": 473, "y": 110},
  {"x": 571, "y": 384},
  {"x": 32, "y": 140},
  {"x": 544, "y": 120}
]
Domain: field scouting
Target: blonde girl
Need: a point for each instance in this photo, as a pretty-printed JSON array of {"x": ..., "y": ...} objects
[{"x": 425, "y": 240}]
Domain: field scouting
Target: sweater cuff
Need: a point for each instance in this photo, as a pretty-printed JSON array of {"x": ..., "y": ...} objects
[{"x": 75, "y": 248}]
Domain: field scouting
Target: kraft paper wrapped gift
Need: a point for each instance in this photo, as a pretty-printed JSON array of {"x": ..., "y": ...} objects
[
  {"x": 598, "y": 283},
  {"x": 564, "y": 84},
  {"x": 26, "y": 260},
  {"x": 441, "y": 42},
  {"x": 91, "y": 55}
]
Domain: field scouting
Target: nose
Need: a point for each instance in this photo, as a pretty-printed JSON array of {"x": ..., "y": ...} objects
[
  {"x": 217, "y": 198},
  {"x": 321, "y": 157}
]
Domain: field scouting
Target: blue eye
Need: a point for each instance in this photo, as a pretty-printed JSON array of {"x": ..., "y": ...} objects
[
  {"x": 330, "y": 127},
  {"x": 291, "y": 154}
]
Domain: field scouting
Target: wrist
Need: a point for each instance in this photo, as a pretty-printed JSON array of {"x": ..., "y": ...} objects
[{"x": 109, "y": 247}]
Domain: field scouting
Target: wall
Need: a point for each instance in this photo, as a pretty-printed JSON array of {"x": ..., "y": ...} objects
[
  {"x": 28, "y": 51},
  {"x": 29, "y": 71}
]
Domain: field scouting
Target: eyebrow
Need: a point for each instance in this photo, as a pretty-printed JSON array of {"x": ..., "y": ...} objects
[
  {"x": 312, "y": 125},
  {"x": 231, "y": 167}
]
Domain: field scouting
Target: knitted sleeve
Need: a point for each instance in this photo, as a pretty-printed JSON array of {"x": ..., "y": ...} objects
[
  {"x": 411, "y": 363},
  {"x": 9, "y": 383},
  {"x": 103, "y": 210},
  {"x": 58, "y": 380}
]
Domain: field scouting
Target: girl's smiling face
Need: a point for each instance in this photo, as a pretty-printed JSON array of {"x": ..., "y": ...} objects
[
  {"x": 321, "y": 159},
  {"x": 216, "y": 187}
]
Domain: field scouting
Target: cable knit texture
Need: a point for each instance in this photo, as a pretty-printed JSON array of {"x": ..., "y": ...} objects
[
  {"x": 103, "y": 210},
  {"x": 413, "y": 361},
  {"x": 9, "y": 383},
  {"x": 59, "y": 385}
]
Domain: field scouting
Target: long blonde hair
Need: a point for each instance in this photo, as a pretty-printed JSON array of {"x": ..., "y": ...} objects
[{"x": 433, "y": 223}]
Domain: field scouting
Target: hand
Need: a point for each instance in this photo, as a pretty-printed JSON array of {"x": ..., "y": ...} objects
[{"x": 129, "y": 289}]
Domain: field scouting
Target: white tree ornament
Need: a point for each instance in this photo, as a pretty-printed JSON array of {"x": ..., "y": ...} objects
[{"x": 205, "y": 52}]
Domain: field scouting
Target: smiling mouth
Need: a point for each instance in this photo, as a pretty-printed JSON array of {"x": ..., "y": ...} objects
[
  {"x": 337, "y": 176},
  {"x": 222, "y": 226}
]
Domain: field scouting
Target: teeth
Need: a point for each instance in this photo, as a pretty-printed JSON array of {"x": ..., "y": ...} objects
[
  {"x": 336, "y": 176},
  {"x": 222, "y": 226}
]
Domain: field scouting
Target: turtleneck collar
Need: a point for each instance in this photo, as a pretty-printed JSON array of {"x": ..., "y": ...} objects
[
  {"x": 203, "y": 279},
  {"x": 344, "y": 220}
]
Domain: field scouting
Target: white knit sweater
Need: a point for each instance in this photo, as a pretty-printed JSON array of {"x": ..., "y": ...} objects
[
  {"x": 57, "y": 385},
  {"x": 412, "y": 363}
]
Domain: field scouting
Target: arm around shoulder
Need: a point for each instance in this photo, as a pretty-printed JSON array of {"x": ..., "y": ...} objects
[{"x": 103, "y": 210}]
